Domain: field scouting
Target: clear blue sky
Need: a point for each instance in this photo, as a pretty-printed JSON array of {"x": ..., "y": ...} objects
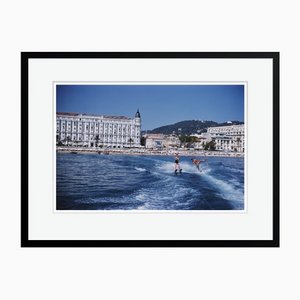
[{"x": 158, "y": 104}]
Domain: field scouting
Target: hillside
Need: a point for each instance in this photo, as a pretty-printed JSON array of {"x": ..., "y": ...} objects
[{"x": 190, "y": 126}]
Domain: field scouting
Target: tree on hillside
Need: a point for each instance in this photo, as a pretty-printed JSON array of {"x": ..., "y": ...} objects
[{"x": 190, "y": 126}]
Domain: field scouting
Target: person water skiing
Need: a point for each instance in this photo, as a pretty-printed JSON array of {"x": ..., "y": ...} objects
[
  {"x": 177, "y": 165},
  {"x": 197, "y": 162}
]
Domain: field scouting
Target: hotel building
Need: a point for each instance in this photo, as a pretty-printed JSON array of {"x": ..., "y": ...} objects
[
  {"x": 228, "y": 138},
  {"x": 98, "y": 131}
]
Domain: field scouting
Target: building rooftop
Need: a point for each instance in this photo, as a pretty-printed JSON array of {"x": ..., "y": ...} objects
[
  {"x": 70, "y": 114},
  {"x": 155, "y": 136}
]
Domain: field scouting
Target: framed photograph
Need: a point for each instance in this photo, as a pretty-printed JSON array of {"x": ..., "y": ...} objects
[{"x": 150, "y": 149}]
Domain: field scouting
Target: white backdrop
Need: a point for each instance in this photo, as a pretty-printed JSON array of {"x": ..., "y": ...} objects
[{"x": 147, "y": 273}]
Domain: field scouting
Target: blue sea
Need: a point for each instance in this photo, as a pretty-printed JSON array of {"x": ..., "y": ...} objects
[{"x": 124, "y": 182}]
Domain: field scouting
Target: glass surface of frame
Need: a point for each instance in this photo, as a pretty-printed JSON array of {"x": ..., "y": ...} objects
[{"x": 124, "y": 152}]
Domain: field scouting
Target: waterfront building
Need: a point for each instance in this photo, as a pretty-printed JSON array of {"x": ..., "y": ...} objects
[
  {"x": 101, "y": 131},
  {"x": 159, "y": 141},
  {"x": 228, "y": 138},
  {"x": 171, "y": 141},
  {"x": 201, "y": 140},
  {"x": 154, "y": 140},
  {"x": 206, "y": 137}
]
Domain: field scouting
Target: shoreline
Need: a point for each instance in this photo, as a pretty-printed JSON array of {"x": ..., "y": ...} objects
[{"x": 143, "y": 152}]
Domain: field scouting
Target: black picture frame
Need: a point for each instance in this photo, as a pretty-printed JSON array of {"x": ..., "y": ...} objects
[{"x": 26, "y": 242}]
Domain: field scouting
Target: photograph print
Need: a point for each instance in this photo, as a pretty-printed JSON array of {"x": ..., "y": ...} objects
[{"x": 150, "y": 147}]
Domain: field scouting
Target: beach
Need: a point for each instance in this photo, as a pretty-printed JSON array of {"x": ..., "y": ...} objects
[{"x": 144, "y": 151}]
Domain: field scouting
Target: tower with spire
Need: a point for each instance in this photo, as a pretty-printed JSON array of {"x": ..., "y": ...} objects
[
  {"x": 137, "y": 120},
  {"x": 137, "y": 114}
]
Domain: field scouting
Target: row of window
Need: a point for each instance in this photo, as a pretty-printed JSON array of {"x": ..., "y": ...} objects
[
  {"x": 62, "y": 136},
  {"x": 100, "y": 131},
  {"x": 228, "y": 141},
  {"x": 106, "y": 135},
  {"x": 93, "y": 121},
  {"x": 227, "y": 132},
  {"x": 64, "y": 123},
  {"x": 87, "y": 128},
  {"x": 99, "y": 142}
]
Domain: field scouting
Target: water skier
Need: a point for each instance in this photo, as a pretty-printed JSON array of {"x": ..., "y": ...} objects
[
  {"x": 177, "y": 165},
  {"x": 197, "y": 162}
]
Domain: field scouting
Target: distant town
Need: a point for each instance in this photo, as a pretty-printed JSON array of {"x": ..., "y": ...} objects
[{"x": 77, "y": 132}]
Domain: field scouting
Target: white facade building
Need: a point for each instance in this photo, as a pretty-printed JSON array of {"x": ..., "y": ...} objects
[
  {"x": 98, "y": 131},
  {"x": 171, "y": 141},
  {"x": 228, "y": 138},
  {"x": 159, "y": 141},
  {"x": 154, "y": 140}
]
